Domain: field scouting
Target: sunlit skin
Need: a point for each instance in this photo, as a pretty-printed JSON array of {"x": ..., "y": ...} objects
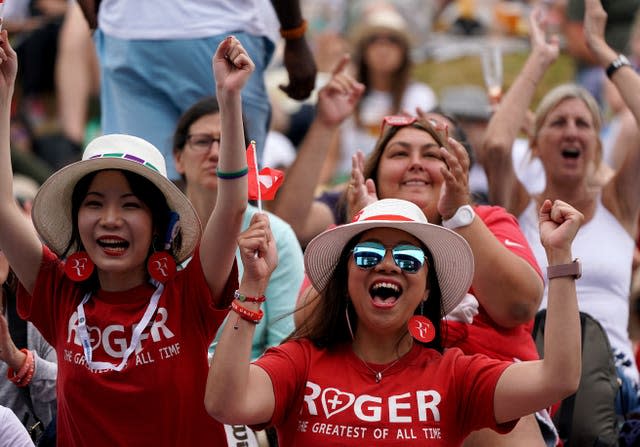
[
  {"x": 409, "y": 169},
  {"x": 383, "y": 55},
  {"x": 116, "y": 230},
  {"x": 199, "y": 168},
  {"x": 567, "y": 142},
  {"x": 385, "y": 320}
]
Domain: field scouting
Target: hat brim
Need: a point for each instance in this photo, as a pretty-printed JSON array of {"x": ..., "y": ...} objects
[
  {"x": 51, "y": 211},
  {"x": 366, "y": 31},
  {"x": 452, "y": 255}
]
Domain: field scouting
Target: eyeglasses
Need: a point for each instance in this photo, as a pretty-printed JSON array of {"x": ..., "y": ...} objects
[
  {"x": 396, "y": 121},
  {"x": 369, "y": 254},
  {"x": 201, "y": 142}
]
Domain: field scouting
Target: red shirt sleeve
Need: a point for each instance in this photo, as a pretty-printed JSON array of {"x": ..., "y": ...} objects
[{"x": 506, "y": 229}]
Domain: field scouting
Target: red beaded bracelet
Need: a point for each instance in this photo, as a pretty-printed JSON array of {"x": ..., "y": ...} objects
[
  {"x": 246, "y": 314},
  {"x": 23, "y": 377},
  {"x": 249, "y": 299}
]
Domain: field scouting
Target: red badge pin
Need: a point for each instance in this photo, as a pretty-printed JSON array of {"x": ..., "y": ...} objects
[
  {"x": 421, "y": 328},
  {"x": 78, "y": 266},
  {"x": 161, "y": 266}
]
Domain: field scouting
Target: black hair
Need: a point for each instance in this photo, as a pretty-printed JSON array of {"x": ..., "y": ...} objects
[
  {"x": 145, "y": 191},
  {"x": 205, "y": 106},
  {"x": 327, "y": 326}
]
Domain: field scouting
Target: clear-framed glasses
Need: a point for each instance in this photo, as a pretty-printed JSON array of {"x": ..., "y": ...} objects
[
  {"x": 201, "y": 142},
  {"x": 406, "y": 256}
]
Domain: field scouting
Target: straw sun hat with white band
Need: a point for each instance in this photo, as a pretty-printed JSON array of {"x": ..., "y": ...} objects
[
  {"x": 52, "y": 206},
  {"x": 451, "y": 253}
]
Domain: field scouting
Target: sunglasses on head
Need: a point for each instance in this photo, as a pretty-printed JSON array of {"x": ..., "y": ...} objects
[
  {"x": 396, "y": 121},
  {"x": 406, "y": 256}
]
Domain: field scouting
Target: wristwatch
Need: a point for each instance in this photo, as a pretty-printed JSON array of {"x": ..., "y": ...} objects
[
  {"x": 618, "y": 62},
  {"x": 572, "y": 269},
  {"x": 463, "y": 217}
]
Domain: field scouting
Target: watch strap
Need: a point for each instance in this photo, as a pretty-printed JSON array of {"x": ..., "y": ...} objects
[
  {"x": 463, "y": 217},
  {"x": 618, "y": 62},
  {"x": 573, "y": 269}
]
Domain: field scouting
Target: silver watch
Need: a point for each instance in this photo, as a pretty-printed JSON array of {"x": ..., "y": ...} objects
[{"x": 463, "y": 217}]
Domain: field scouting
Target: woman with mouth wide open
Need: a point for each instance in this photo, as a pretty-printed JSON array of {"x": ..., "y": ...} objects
[
  {"x": 566, "y": 140},
  {"x": 369, "y": 367}
]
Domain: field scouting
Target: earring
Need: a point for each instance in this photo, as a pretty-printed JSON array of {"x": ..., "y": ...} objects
[
  {"x": 78, "y": 267},
  {"x": 420, "y": 327},
  {"x": 346, "y": 314},
  {"x": 161, "y": 265}
]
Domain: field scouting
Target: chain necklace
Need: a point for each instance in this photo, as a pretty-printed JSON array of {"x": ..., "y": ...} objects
[{"x": 378, "y": 374}]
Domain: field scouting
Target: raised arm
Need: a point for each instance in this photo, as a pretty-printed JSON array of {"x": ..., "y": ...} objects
[
  {"x": 295, "y": 201},
  {"x": 18, "y": 239},
  {"x": 237, "y": 391},
  {"x": 506, "y": 285},
  {"x": 90, "y": 10},
  {"x": 232, "y": 68},
  {"x": 298, "y": 58},
  {"x": 495, "y": 153},
  {"x": 623, "y": 187},
  {"x": 529, "y": 386}
]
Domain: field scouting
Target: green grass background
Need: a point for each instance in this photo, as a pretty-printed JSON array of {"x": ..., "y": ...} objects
[{"x": 468, "y": 70}]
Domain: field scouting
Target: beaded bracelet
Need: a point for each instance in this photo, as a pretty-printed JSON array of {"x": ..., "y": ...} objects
[
  {"x": 249, "y": 299},
  {"x": 246, "y": 314},
  {"x": 23, "y": 377},
  {"x": 232, "y": 175},
  {"x": 294, "y": 33}
]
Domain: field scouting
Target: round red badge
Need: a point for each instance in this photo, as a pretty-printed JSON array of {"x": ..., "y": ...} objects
[
  {"x": 161, "y": 266},
  {"x": 78, "y": 266},
  {"x": 421, "y": 328}
]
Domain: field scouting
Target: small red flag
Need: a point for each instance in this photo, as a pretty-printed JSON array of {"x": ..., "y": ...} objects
[{"x": 269, "y": 179}]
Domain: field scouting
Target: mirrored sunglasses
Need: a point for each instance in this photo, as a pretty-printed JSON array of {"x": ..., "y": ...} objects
[{"x": 369, "y": 254}]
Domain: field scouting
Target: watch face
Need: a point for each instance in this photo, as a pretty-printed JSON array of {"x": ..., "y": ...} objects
[{"x": 466, "y": 215}]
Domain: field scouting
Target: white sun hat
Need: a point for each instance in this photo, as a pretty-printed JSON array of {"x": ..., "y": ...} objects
[
  {"x": 451, "y": 253},
  {"x": 52, "y": 205}
]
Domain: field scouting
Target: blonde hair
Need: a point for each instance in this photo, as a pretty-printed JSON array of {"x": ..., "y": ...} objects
[{"x": 561, "y": 93}]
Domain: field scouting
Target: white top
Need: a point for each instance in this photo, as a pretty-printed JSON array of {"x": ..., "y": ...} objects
[
  {"x": 528, "y": 170},
  {"x": 182, "y": 19},
  {"x": 12, "y": 432},
  {"x": 605, "y": 250},
  {"x": 375, "y": 106}
]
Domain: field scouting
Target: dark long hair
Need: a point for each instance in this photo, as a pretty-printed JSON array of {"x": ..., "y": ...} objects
[
  {"x": 402, "y": 75},
  {"x": 327, "y": 327},
  {"x": 145, "y": 191}
]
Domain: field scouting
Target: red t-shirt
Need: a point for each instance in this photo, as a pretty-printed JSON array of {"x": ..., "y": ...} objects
[
  {"x": 484, "y": 335},
  {"x": 158, "y": 398},
  {"x": 327, "y": 398}
]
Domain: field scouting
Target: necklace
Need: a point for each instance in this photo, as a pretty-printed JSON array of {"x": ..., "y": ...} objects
[{"x": 378, "y": 374}]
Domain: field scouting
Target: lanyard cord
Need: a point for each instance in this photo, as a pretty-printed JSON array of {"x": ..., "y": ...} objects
[{"x": 83, "y": 333}]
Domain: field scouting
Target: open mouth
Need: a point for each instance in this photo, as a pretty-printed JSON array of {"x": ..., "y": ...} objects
[
  {"x": 385, "y": 294},
  {"x": 113, "y": 246},
  {"x": 571, "y": 153}
]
